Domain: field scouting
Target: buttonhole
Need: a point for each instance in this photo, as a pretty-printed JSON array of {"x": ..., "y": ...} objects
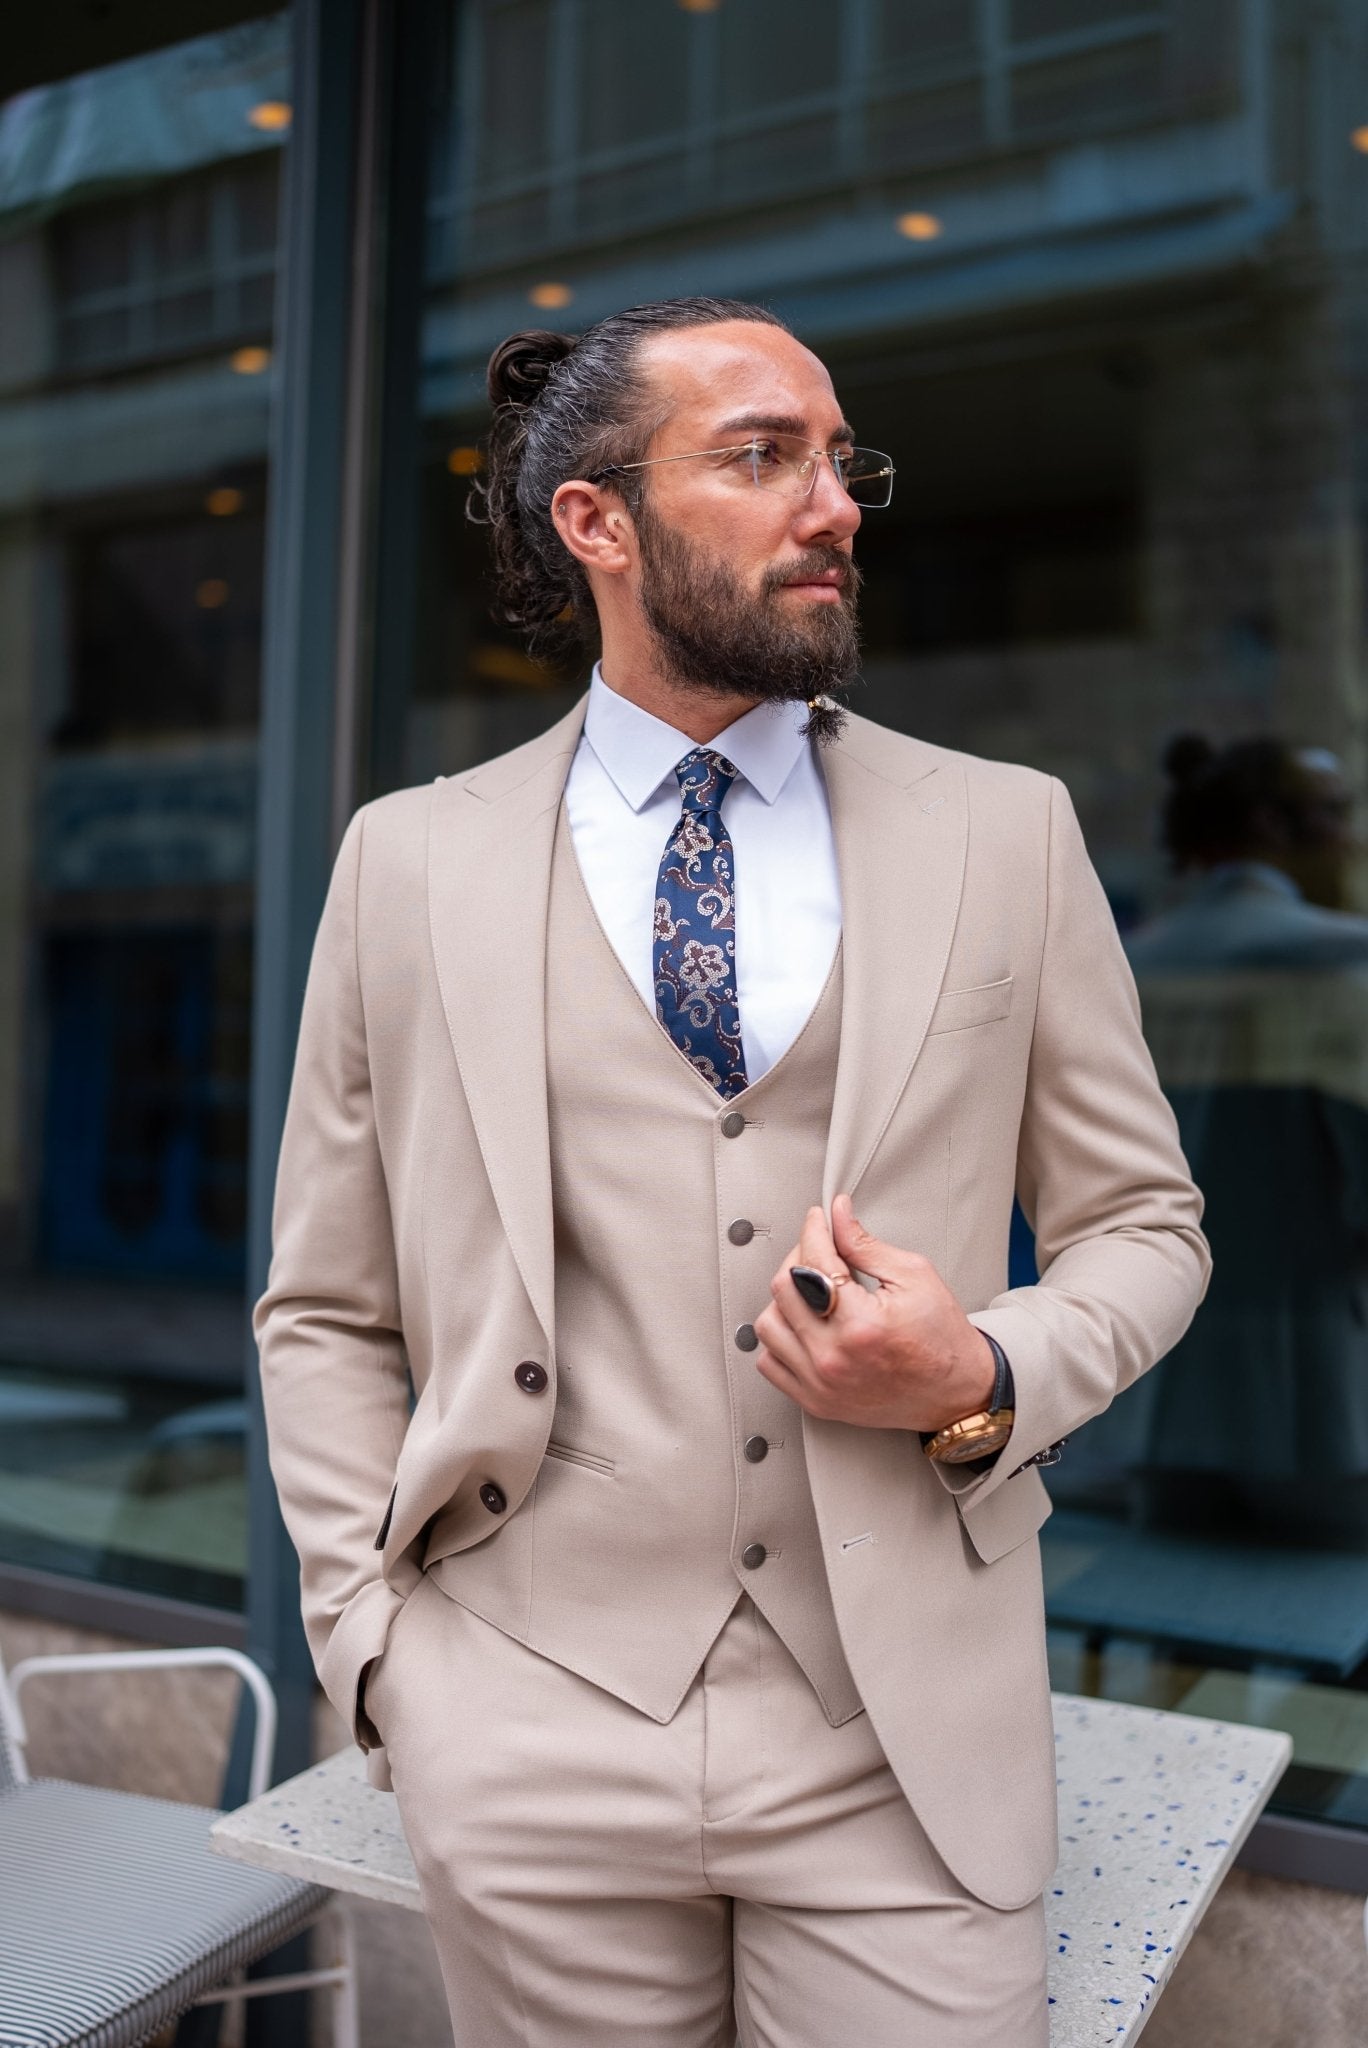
[{"x": 854, "y": 1542}]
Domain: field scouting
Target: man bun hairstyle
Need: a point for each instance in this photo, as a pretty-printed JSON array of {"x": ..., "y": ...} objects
[
  {"x": 520, "y": 366},
  {"x": 1219, "y": 801},
  {"x": 568, "y": 406}
]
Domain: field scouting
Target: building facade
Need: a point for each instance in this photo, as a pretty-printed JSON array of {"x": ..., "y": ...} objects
[{"x": 1095, "y": 273}]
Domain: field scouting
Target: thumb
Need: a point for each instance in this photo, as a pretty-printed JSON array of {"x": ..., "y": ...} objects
[{"x": 858, "y": 1246}]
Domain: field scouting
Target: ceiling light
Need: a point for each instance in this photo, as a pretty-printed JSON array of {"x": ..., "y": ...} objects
[
  {"x": 918, "y": 227},
  {"x": 250, "y": 362},
  {"x": 465, "y": 461},
  {"x": 700, "y": 6},
  {"x": 272, "y": 117},
  {"x": 211, "y": 594},
  {"x": 550, "y": 294},
  {"x": 1359, "y": 138},
  {"x": 223, "y": 501}
]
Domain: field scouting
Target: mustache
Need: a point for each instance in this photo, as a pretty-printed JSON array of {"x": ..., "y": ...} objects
[{"x": 816, "y": 562}]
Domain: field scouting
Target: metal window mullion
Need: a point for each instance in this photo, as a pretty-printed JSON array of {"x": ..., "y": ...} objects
[
  {"x": 994, "y": 58},
  {"x": 856, "y": 61},
  {"x": 1256, "y": 52},
  {"x": 226, "y": 297},
  {"x": 563, "y": 47},
  {"x": 142, "y": 320},
  {"x": 298, "y": 720},
  {"x": 455, "y": 205},
  {"x": 358, "y": 461},
  {"x": 701, "y": 104},
  {"x": 857, "y": 68}
]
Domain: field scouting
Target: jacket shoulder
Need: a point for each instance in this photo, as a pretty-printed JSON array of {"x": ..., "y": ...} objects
[
  {"x": 903, "y": 758},
  {"x": 399, "y": 812}
]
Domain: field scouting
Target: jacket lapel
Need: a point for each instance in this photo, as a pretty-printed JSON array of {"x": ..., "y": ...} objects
[
  {"x": 489, "y": 879},
  {"x": 900, "y": 851}
]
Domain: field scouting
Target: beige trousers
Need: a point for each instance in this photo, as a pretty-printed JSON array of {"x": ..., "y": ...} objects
[{"x": 596, "y": 1880}]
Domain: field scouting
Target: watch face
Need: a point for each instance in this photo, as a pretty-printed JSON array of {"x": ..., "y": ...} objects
[{"x": 978, "y": 1437}]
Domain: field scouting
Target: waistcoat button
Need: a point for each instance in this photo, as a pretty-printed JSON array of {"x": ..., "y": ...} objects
[
  {"x": 753, "y": 1556},
  {"x": 746, "y": 1339},
  {"x": 756, "y": 1449},
  {"x": 740, "y": 1232},
  {"x": 493, "y": 1497},
  {"x": 531, "y": 1377},
  {"x": 733, "y": 1123}
]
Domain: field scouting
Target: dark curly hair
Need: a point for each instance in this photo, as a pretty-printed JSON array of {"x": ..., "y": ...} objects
[
  {"x": 1218, "y": 801},
  {"x": 567, "y": 406}
]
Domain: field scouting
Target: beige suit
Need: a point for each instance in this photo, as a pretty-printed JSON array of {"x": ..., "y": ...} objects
[{"x": 989, "y": 1042}]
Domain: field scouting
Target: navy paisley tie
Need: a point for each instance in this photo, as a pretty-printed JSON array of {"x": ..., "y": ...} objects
[{"x": 694, "y": 956}]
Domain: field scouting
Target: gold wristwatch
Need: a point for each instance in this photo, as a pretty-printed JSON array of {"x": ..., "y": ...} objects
[{"x": 982, "y": 1434}]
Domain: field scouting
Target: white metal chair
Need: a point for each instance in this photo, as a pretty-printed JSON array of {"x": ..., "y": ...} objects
[{"x": 115, "y": 1915}]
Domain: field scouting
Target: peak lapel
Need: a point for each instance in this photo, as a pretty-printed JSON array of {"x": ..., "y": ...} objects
[
  {"x": 900, "y": 849},
  {"x": 489, "y": 877}
]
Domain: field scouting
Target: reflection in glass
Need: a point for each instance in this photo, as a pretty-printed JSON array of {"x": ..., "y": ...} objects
[
  {"x": 1129, "y": 499},
  {"x": 138, "y": 246},
  {"x": 1241, "y": 1462}
]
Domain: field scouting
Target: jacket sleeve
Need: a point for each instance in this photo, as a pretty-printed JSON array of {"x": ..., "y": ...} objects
[
  {"x": 1101, "y": 1178},
  {"x": 334, "y": 1373}
]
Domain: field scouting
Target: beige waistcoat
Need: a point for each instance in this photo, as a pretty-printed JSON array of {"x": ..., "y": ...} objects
[{"x": 647, "y": 1499}]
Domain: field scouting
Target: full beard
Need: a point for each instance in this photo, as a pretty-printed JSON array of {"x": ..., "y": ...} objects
[{"x": 715, "y": 635}]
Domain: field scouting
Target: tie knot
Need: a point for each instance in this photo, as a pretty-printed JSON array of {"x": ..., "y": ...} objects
[{"x": 704, "y": 779}]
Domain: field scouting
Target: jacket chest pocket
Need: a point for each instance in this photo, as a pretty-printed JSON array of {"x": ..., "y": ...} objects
[{"x": 961, "y": 1008}]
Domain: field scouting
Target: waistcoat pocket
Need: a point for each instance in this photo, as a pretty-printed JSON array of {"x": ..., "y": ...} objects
[{"x": 571, "y": 1456}]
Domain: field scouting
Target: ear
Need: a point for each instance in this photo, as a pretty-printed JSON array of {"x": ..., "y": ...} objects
[{"x": 595, "y": 526}]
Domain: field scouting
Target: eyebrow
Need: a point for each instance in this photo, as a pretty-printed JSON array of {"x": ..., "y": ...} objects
[{"x": 780, "y": 423}]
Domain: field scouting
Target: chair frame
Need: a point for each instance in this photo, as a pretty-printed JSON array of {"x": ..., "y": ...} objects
[{"x": 339, "y": 1974}]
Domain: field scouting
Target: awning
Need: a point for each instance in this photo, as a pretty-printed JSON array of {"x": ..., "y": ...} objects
[{"x": 149, "y": 118}]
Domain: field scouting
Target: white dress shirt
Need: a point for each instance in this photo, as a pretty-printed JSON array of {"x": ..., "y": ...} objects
[{"x": 622, "y": 800}]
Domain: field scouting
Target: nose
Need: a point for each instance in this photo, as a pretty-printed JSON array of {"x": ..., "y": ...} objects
[{"x": 828, "y": 512}]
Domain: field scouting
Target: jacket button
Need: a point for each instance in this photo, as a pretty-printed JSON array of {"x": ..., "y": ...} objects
[
  {"x": 733, "y": 1123},
  {"x": 753, "y": 1556},
  {"x": 756, "y": 1449},
  {"x": 493, "y": 1497},
  {"x": 746, "y": 1339},
  {"x": 740, "y": 1232},
  {"x": 531, "y": 1377}
]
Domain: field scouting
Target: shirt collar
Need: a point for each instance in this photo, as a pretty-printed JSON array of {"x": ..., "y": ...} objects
[{"x": 640, "y": 751}]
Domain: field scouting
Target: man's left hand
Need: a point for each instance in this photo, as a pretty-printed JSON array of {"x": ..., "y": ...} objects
[{"x": 906, "y": 1357}]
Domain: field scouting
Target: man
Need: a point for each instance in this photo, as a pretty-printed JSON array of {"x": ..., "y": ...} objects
[
  {"x": 707, "y": 1677},
  {"x": 1254, "y": 991}
]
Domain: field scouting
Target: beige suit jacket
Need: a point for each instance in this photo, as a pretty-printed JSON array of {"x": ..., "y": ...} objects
[{"x": 990, "y": 1043}]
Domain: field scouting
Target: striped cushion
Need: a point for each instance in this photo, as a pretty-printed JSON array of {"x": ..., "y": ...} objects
[
  {"x": 9, "y": 1772},
  {"x": 115, "y": 1914}
]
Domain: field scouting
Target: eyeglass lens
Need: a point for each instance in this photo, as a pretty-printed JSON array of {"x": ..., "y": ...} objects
[{"x": 866, "y": 473}]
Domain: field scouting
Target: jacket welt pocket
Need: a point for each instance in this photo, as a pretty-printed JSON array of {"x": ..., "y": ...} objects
[
  {"x": 570, "y": 1456},
  {"x": 958, "y": 1008}
]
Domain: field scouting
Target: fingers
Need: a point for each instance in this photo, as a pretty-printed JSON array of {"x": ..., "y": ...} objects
[
  {"x": 858, "y": 1247},
  {"x": 780, "y": 1337},
  {"x": 781, "y": 1376},
  {"x": 817, "y": 1247}
]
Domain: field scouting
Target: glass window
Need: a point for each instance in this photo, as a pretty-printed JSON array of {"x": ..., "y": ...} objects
[
  {"x": 187, "y": 266},
  {"x": 1046, "y": 249},
  {"x": 138, "y": 240}
]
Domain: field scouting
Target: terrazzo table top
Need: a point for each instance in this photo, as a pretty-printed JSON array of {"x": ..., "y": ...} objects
[{"x": 1153, "y": 1808}]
